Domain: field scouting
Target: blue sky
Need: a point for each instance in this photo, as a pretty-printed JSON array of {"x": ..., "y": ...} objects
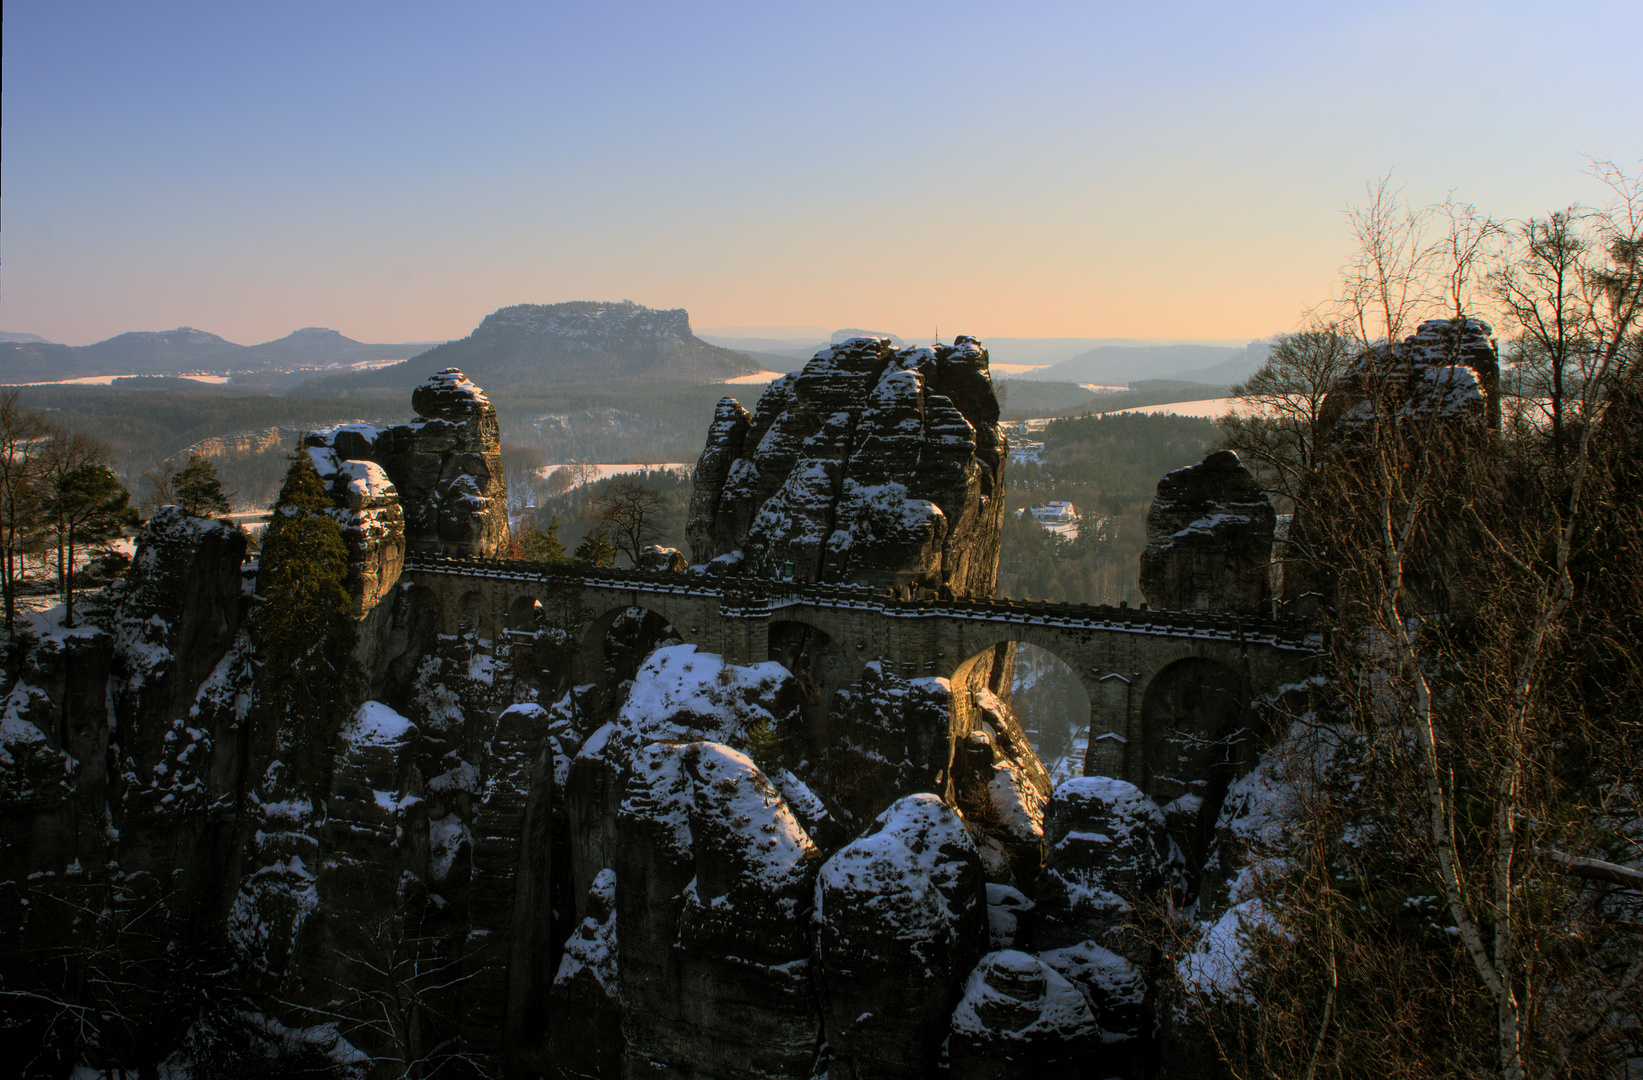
[{"x": 397, "y": 171}]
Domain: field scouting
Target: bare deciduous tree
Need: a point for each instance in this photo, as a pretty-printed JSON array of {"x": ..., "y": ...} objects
[{"x": 629, "y": 511}]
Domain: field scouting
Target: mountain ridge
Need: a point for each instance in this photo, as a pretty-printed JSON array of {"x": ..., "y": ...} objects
[{"x": 186, "y": 349}]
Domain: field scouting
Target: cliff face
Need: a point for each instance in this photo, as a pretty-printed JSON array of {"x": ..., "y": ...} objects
[
  {"x": 871, "y": 465},
  {"x": 441, "y": 476}
]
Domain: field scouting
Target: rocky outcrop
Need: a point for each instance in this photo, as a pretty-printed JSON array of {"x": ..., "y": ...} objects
[
  {"x": 890, "y": 737},
  {"x": 445, "y": 470},
  {"x": 678, "y": 694},
  {"x": 1002, "y": 788},
  {"x": 585, "y": 1007},
  {"x": 872, "y": 465},
  {"x": 1020, "y": 1019},
  {"x": 1109, "y": 854},
  {"x": 1209, "y": 540},
  {"x": 180, "y": 697},
  {"x": 1119, "y": 997},
  {"x": 1448, "y": 369},
  {"x": 901, "y": 918},
  {"x": 714, "y": 880}
]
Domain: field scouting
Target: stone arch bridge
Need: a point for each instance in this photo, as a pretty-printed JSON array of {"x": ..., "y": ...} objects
[{"x": 1139, "y": 668}]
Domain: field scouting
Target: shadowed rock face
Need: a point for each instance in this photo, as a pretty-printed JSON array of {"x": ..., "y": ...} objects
[
  {"x": 1109, "y": 852},
  {"x": 872, "y": 464},
  {"x": 714, "y": 888},
  {"x": 1447, "y": 367},
  {"x": 1209, "y": 540},
  {"x": 1020, "y": 1019}
]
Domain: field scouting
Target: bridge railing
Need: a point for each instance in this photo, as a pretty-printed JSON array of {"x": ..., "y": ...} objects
[{"x": 752, "y": 596}]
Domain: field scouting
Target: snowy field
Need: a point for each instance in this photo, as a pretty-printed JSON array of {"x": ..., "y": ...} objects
[
  {"x": 601, "y": 471},
  {"x": 1209, "y": 407},
  {"x": 106, "y": 380}
]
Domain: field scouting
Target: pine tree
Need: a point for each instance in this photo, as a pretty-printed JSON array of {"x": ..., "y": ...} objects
[
  {"x": 539, "y": 546},
  {"x": 596, "y": 550},
  {"x": 305, "y": 629},
  {"x": 90, "y": 507},
  {"x": 197, "y": 489}
]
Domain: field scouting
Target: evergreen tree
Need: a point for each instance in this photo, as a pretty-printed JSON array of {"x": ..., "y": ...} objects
[
  {"x": 539, "y": 546},
  {"x": 90, "y": 507},
  {"x": 305, "y": 629},
  {"x": 197, "y": 489},
  {"x": 596, "y": 549}
]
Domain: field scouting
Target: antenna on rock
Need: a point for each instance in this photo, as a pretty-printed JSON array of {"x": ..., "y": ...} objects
[{"x": 938, "y": 333}]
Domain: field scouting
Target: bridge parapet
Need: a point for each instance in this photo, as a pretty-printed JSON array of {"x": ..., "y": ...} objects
[
  {"x": 744, "y": 598},
  {"x": 1146, "y": 673}
]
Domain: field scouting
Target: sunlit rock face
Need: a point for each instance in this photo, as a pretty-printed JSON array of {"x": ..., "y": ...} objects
[
  {"x": 432, "y": 486},
  {"x": 870, "y": 465},
  {"x": 1209, "y": 540}
]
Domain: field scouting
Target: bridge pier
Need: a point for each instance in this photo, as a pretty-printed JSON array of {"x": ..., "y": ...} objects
[{"x": 1114, "y": 724}]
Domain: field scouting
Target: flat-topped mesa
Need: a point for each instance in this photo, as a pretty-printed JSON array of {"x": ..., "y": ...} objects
[
  {"x": 431, "y": 486},
  {"x": 872, "y": 465}
]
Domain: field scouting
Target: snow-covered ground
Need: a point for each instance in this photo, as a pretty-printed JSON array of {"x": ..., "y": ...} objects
[
  {"x": 601, "y": 471},
  {"x": 105, "y": 380},
  {"x": 1209, "y": 407}
]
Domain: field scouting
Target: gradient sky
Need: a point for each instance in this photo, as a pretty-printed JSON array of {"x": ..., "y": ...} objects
[{"x": 398, "y": 171}]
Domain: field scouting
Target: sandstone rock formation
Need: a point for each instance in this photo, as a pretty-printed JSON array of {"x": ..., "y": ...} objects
[
  {"x": 871, "y": 465},
  {"x": 445, "y": 471},
  {"x": 585, "y": 1013},
  {"x": 1109, "y": 852},
  {"x": 901, "y": 919},
  {"x": 1450, "y": 367},
  {"x": 1119, "y": 997},
  {"x": 1209, "y": 540},
  {"x": 714, "y": 880},
  {"x": 1020, "y": 1019}
]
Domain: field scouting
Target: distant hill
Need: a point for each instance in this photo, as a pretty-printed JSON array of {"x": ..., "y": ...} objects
[
  {"x": 315, "y": 346},
  {"x": 154, "y": 352},
  {"x": 1119, "y": 365},
  {"x": 185, "y": 349},
  {"x": 24, "y": 339},
  {"x": 532, "y": 346},
  {"x": 1235, "y": 369},
  {"x": 37, "y": 361}
]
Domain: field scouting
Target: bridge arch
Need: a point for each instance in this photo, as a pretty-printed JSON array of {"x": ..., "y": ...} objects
[
  {"x": 648, "y": 627},
  {"x": 473, "y": 612},
  {"x": 525, "y": 613},
  {"x": 1199, "y": 735}
]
